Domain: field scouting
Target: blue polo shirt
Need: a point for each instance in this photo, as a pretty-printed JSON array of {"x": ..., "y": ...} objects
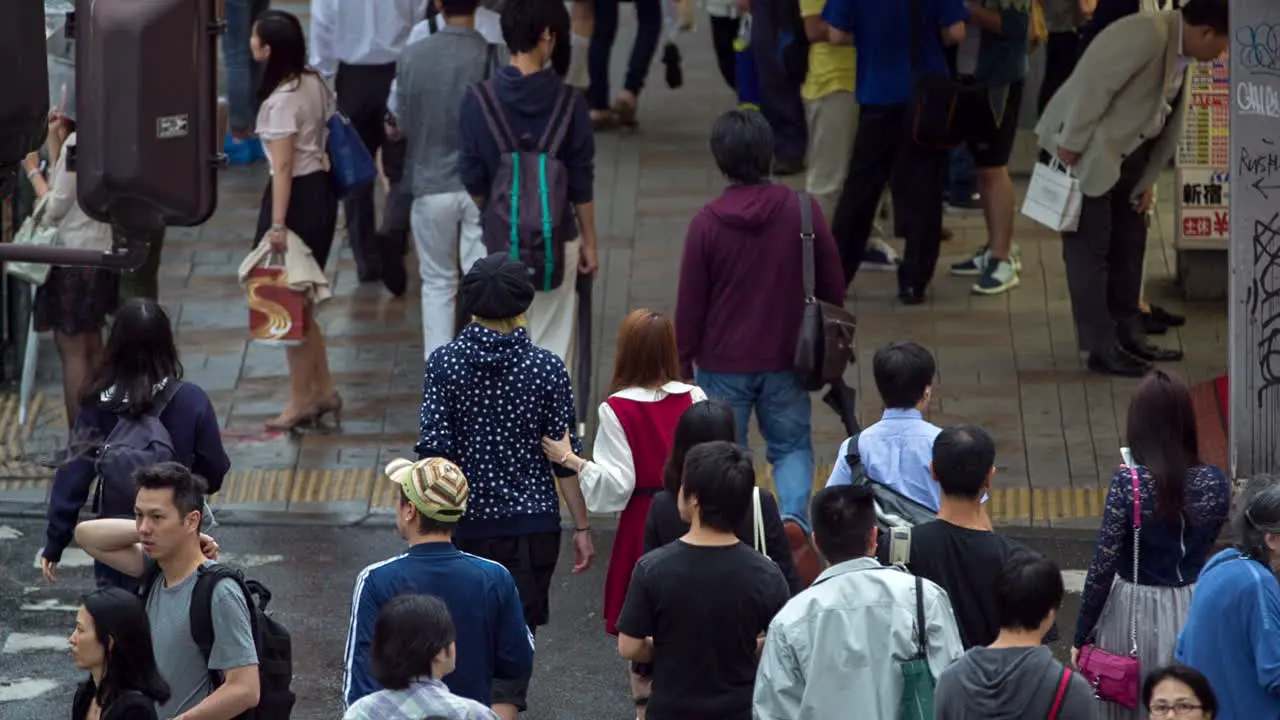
[
  {"x": 881, "y": 32},
  {"x": 488, "y": 619}
]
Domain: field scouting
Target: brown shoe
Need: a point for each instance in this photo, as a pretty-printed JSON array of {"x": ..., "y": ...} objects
[{"x": 808, "y": 564}]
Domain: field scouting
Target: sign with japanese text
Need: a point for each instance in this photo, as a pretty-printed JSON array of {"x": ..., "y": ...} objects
[{"x": 1202, "y": 180}]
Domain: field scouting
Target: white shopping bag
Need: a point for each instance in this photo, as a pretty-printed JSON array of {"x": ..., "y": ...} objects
[{"x": 1053, "y": 197}]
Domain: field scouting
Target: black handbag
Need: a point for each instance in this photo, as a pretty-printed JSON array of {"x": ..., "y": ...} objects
[
  {"x": 825, "y": 346},
  {"x": 941, "y": 106}
]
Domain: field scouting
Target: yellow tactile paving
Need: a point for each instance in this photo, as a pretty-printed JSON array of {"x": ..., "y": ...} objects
[{"x": 311, "y": 487}]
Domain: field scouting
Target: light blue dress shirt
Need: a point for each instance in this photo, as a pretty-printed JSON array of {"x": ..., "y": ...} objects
[{"x": 897, "y": 452}]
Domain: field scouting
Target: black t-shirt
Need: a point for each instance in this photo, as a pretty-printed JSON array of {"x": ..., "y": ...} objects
[
  {"x": 704, "y": 607},
  {"x": 966, "y": 563}
]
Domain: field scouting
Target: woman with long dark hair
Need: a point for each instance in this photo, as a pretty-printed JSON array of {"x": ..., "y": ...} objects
[
  {"x": 112, "y": 640},
  {"x": 708, "y": 421},
  {"x": 139, "y": 375},
  {"x": 1183, "y": 503},
  {"x": 299, "y": 198}
]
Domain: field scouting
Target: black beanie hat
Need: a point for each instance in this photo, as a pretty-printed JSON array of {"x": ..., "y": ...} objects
[{"x": 497, "y": 287}]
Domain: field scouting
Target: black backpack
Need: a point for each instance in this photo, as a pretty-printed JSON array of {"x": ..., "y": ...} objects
[{"x": 272, "y": 640}]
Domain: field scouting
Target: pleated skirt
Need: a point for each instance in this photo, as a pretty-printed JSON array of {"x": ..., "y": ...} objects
[{"x": 1162, "y": 611}]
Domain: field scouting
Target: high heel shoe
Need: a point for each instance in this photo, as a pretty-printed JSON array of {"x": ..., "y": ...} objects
[
  {"x": 331, "y": 406},
  {"x": 287, "y": 421}
]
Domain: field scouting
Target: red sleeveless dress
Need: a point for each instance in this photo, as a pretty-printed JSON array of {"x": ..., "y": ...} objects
[{"x": 650, "y": 429}]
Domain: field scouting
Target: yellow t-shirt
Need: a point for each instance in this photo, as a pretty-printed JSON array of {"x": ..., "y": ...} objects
[{"x": 830, "y": 66}]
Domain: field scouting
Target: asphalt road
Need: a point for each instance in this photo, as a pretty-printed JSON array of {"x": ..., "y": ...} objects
[{"x": 311, "y": 571}]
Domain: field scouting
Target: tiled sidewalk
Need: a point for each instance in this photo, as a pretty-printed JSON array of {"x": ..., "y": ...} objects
[{"x": 1007, "y": 362}]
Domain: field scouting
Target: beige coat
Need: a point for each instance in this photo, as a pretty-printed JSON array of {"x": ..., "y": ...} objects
[
  {"x": 1106, "y": 109},
  {"x": 300, "y": 268}
]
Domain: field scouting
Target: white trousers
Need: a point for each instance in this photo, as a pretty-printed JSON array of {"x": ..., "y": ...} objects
[
  {"x": 553, "y": 315},
  {"x": 446, "y": 233}
]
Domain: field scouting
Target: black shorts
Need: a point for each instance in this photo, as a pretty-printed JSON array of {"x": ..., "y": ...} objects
[
  {"x": 990, "y": 142},
  {"x": 531, "y": 560}
]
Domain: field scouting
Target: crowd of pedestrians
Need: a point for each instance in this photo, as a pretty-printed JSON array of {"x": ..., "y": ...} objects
[{"x": 725, "y": 600}]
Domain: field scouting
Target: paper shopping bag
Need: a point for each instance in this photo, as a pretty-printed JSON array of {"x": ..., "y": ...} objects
[
  {"x": 1053, "y": 197},
  {"x": 277, "y": 314}
]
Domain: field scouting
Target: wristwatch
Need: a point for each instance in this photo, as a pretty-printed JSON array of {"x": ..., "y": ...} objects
[{"x": 582, "y": 529}]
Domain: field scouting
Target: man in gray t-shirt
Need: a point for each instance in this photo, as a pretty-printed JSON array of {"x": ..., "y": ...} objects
[
  {"x": 165, "y": 534},
  {"x": 185, "y": 669}
]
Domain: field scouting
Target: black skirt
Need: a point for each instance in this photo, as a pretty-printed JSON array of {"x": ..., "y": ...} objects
[
  {"x": 76, "y": 300},
  {"x": 312, "y": 215}
]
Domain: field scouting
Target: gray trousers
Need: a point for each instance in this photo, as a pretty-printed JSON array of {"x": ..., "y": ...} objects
[{"x": 1104, "y": 258}]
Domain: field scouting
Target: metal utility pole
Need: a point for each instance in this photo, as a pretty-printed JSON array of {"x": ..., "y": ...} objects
[{"x": 1254, "y": 308}]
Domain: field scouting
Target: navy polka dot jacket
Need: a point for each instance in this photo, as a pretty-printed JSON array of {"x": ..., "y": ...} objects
[{"x": 488, "y": 399}]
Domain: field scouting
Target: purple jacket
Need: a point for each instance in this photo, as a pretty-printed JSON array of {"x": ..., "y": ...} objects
[{"x": 741, "y": 290}]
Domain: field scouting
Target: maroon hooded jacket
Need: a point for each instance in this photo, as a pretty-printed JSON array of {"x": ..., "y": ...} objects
[{"x": 741, "y": 290}]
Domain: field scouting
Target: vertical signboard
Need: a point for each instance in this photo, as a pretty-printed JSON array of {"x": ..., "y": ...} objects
[
  {"x": 1254, "y": 307},
  {"x": 1203, "y": 174}
]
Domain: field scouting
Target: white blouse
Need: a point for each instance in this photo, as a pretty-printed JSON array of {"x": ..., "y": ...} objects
[{"x": 609, "y": 479}]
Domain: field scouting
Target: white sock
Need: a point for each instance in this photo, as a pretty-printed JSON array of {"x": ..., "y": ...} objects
[{"x": 577, "y": 75}]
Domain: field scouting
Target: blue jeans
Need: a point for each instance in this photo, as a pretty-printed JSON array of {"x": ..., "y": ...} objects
[
  {"x": 962, "y": 181},
  {"x": 239, "y": 62},
  {"x": 783, "y": 412}
]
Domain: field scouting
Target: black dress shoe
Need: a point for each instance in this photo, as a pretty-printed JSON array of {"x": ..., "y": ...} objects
[
  {"x": 1167, "y": 318},
  {"x": 1117, "y": 362},
  {"x": 1152, "y": 326},
  {"x": 1151, "y": 353},
  {"x": 911, "y": 296}
]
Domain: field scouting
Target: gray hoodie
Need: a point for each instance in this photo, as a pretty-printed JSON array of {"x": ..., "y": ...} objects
[{"x": 1009, "y": 684}]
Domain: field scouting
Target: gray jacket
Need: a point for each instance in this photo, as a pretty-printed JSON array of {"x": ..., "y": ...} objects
[
  {"x": 1009, "y": 684},
  {"x": 431, "y": 79}
]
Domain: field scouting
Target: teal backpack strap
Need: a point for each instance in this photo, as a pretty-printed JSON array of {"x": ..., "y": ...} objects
[
  {"x": 548, "y": 262},
  {"x": 515, "y": 205}
]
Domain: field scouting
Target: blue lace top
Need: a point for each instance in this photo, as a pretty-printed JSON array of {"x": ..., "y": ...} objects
[{"x": 1172, "y": 552}]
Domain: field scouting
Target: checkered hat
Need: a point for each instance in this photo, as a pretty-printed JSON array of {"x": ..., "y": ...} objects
[{"x": 435, "y": 486}]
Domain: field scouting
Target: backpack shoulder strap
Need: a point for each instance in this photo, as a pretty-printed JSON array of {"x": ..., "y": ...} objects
[
  {"x": 922, "y": 632},
  {"x": 147, "y": 581},
  {"x": 852, "y": 457},
  {"x": 202, "y": 604},
  {"x": 558, "y": 125},
  {"x": 494, "y": 117},
  {"x": 1061, "y": 694},
  {"x": 162, "y": 401}
]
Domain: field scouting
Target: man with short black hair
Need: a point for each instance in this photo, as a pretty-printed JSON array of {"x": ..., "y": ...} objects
[
  {"x": 530, "y": 100},
  {"x": 897, "y": 451},
  {"x": 959, "y": 551},
  {"x": 702, "y": 601},
  {"x": 739, "y": 302},
  {"x": 413, "y": 650},
  {"x": 166, "y": 533},
  {"x": 480, "y": 594},
  {"x": 839, "y": 645},
  {"x": 1016, "y": 676}
]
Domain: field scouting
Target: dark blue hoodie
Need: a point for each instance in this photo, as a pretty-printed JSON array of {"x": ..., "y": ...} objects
[
  {"x": 487, "y": 401},
  {"x": 527, "y": 101}
]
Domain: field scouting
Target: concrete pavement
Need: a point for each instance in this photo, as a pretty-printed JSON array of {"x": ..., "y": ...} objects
[
  {"x": 311, "y": 571},
  {"x": 1006, "y": 362}
]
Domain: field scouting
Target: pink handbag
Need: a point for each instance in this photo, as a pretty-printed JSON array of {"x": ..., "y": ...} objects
[{"x": 1116, "y": 678}]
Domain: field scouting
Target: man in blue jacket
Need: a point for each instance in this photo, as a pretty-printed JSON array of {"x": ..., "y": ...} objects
[{"x": 492, "y": 639}]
